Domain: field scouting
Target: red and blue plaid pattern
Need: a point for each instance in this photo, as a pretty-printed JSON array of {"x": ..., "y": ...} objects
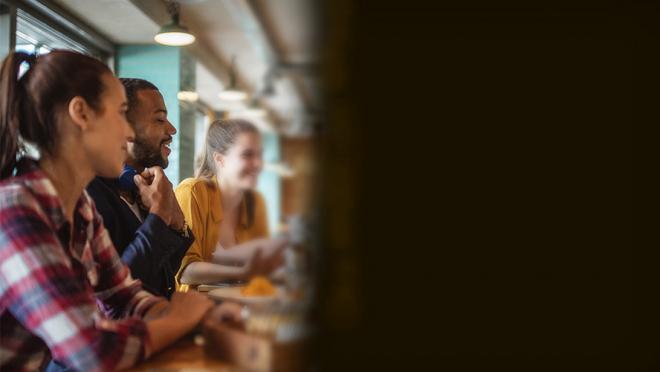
[{"x": 64, "y": 291}]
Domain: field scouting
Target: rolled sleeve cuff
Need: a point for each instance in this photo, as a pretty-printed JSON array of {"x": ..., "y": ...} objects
[{"x": 162, "y": 235}]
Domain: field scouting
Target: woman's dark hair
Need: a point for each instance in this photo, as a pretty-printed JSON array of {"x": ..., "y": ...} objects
[
  {"x": 31, "y": 104},
  {"x": 221, "y": 135}
]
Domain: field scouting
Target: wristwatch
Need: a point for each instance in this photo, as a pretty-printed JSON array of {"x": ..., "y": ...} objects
[{"x": 184, "y": 230}]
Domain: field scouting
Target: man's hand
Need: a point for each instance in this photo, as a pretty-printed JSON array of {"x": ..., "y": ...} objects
[{"x": 157, "y": 195}]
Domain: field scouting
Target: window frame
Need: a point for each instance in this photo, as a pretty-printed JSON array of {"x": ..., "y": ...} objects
[{"x": 60, "y": 20}]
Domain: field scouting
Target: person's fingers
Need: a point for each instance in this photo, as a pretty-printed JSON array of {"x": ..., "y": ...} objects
[
  {"x": 275, "y": 263},
  {"x": 147, "y": 175},
  {"x": 283, "y": 241},
  {"x": 275, "y": 244},
  {"x": 147, "y": 172},
  {"x": 256, "y": 262},
  {"x": 158, "y": 173},
  {"x": 139, "y": 181},
  {"x": 279, "y": 252}
]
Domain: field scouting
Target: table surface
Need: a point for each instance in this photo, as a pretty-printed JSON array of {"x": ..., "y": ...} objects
[{"x": 183, "y": 355}]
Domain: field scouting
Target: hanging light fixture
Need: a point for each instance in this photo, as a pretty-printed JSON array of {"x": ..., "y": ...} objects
[
  {"x": 187, "y": 96},
  {"x": 232, "y": 93},
  {"x": 174, "y": 34},
  {"x": 282, "y": 169}
]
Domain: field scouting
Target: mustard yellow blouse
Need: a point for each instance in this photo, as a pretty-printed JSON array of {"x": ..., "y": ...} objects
[{"x": 201, "y": 203}]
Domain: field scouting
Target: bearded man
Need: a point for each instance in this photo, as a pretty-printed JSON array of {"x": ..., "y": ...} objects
[{"x": 139, "y": 209}]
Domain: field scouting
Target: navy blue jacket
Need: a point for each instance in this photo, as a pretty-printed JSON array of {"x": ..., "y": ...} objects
[{"x": 151, "y": 249}]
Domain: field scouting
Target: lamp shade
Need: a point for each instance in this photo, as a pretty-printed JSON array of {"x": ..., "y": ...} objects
[
  {"x": 174, "y": 35},
  {"x": 187, "y": 96},
  {"x": 232, "y": 95}
]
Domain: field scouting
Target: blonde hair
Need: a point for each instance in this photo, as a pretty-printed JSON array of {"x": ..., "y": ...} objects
[{"x": 220, "y": 136}]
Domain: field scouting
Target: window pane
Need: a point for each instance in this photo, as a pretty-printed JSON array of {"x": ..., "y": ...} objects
[{"x": 33, "y": 35}]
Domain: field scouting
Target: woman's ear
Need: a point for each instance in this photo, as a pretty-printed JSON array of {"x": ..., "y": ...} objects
[
  {"x": 80, "y": 112},
  {"x": 218, "y": 159}
]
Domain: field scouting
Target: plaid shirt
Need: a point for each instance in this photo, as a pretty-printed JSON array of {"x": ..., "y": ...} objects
[{"x": 62, "y": 285}]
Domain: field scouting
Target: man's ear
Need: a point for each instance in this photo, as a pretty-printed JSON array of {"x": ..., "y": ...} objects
[
  {"x": 218, "y": 158},
  {"x": 80, "y": 112}
]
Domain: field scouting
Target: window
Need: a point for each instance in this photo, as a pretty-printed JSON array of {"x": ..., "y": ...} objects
[
  {"x": 39, "y": 28},
  {"x": 35, "y": 36}
]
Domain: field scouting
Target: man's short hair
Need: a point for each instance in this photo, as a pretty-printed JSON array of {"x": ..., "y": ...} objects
[{"x": 132, "y": 87}]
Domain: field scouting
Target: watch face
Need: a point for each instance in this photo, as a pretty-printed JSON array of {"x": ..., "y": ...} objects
[{"x": 185, "y": 231}]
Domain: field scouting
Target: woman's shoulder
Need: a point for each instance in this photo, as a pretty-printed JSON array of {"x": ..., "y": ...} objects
[
  {"x": 16, "y": 195},
  {"x": 199, "y": 187},
  {"x": 194, "y": 184},
  {"x": 27, "y": 193}
]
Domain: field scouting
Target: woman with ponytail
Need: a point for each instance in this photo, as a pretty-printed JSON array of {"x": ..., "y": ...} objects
[
  {"x": 64, "y": 292},
  {"x": 226, "y": 215}
]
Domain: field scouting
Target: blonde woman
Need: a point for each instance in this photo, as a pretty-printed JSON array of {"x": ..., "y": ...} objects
[{"x": 225, "y": 212}]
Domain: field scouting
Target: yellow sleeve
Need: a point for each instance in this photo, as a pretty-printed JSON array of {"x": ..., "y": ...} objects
[
  {"x": 261, "y": 229},
  {"x": 191, "y": 200}
]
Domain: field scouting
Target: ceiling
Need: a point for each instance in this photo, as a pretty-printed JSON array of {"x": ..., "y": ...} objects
[{"x": 271, "y": 40}]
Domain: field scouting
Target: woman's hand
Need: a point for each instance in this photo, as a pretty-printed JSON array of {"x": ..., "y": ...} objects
[
  {"x": 275, "y": 246},
  {"x": 242, "y": 253},
  {"x": 264, "y": 263}
]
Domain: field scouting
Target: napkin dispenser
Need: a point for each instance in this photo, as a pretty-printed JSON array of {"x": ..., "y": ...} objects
[{"x": 232, "y": 343}]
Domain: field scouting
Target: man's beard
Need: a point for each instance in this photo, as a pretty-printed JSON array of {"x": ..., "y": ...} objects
[{"x": 147, "y": 155}]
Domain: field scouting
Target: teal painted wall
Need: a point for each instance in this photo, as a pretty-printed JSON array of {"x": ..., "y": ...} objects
[{"x": 269, "y": 183}]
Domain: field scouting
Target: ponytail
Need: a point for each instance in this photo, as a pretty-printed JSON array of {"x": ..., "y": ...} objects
[
  {"x": 12, "y": 95},
  {"x": 30, "y": 105},
  {"x": 206, "y": 168}
]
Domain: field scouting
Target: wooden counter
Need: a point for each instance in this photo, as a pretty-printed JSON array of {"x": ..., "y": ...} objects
[{"x": 183, "y": 355}]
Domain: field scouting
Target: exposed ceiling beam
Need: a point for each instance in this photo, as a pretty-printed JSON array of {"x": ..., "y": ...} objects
[
  {"x": 218, "y": 66},
  {"x": 264, "y": 34}
]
